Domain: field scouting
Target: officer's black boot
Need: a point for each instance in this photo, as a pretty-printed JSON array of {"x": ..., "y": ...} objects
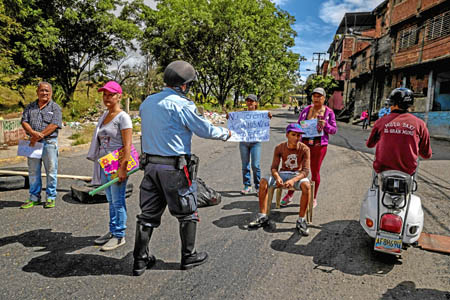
[
  {"x": 142, "y": 259},
  {"x": 189, "y": 256}
]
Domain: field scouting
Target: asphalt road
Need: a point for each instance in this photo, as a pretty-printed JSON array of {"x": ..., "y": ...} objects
[{"x": 49, "y": 254}]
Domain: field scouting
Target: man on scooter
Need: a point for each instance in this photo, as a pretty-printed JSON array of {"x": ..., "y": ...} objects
[{"x": 400, "y": 137}]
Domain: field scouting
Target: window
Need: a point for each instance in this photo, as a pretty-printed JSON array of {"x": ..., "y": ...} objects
[
  {"x": 407, "y": 37},
  {"x": 438, "y": 26}
]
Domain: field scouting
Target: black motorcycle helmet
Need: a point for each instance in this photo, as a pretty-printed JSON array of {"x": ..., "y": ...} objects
[
  {"x": 178, "y": 73},
  {"x": 402, "y": 97}
]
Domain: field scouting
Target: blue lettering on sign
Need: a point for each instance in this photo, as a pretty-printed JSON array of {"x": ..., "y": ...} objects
[{"x": 249, "y": 126}]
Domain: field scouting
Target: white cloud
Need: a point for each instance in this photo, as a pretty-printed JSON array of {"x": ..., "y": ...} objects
[
  {"x": 279, "y": 2},
  {"x": 332, "y": 11}
]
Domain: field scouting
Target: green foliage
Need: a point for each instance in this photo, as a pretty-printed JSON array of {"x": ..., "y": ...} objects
[
  {"x": 75, "y": 136},
  {"x": 239, "y": 46},
  {"x": 83, "y": 135},
  {"x": 328, "y": 83},
  {"x": 81, "y": 105},
  {"x": 8, "y": 27},
  {"x": 66, "y": 41}
]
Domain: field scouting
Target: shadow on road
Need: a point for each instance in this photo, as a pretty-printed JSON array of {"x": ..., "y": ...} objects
[
  {"x": 4, "y": 204},
  {"x": 340, "y": 245},
  {"x": 235, "y": 194},
  {"x": 250, "y": 208},
  {"x": 408, "y": 290},
  {"x": 62, "y": 260}
]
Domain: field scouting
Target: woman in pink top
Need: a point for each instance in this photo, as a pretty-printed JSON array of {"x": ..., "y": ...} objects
[
  {"x": 317, "y": 145},
  {"x": 365, "y": 119}
]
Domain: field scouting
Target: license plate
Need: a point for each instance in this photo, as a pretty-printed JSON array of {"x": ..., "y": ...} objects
[{"x": 388, "y": 244}]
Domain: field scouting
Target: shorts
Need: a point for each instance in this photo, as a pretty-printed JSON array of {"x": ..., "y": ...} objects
[{"x": 285, "y": 175}]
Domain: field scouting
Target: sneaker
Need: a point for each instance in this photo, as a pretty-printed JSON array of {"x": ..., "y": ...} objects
[
  {"x": 259, "y": 222},
  {"x": 286, "y": 199},
  {"x": 103, "y": 239},
  {"x": 113, "y": 243},
  {"x": 29, "y": 203},
  {"x": 314, "y": 203},
  {"x": 302, "y": 227},
  {"x": 247, "y": 190},
  {"x": 49, "y": 204}
]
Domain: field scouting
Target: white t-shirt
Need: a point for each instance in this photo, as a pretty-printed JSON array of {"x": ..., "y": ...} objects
[{"x": 110, "y": 135}]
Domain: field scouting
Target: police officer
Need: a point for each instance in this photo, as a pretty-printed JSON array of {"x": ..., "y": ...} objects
[{"x": 168, "y": 121}]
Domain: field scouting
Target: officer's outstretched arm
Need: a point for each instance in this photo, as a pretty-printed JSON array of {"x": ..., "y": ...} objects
[{"x": 193, "y": 120}]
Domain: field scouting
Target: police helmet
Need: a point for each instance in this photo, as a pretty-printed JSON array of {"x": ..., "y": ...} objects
[
  {"x": 402, "y": 97},
  {"x": 178, "y": 73}
]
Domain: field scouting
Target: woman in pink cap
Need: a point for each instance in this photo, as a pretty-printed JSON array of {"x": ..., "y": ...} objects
[{"x": 114, "y": 131}]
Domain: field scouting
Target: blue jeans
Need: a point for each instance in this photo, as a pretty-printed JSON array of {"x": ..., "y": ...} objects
[
  {"x": 117, "y": 207},
  {"x": 50, "y": 160},
  {"x": 250, "y": 151}
]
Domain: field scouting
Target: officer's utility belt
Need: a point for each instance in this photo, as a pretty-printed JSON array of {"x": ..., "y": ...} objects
[
  {"x": 167, "y": 160},
  {"x": 188, "y": 163}
]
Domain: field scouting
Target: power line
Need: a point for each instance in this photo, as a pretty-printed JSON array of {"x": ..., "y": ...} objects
[{"x": 318, "y": 60}]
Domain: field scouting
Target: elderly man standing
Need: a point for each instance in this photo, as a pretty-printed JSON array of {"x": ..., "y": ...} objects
[{"x": 41, "y": 121}]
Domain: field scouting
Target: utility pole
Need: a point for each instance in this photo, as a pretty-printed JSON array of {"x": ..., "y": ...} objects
[
  {"x": 374, "y": 67},
  {"x": 318, "y": 60}
]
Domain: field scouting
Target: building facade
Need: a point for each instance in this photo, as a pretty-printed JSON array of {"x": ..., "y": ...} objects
[{"x": 406, "y": 45}]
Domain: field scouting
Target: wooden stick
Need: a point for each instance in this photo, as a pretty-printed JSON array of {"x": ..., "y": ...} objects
[{"x": 9, "y": 172}]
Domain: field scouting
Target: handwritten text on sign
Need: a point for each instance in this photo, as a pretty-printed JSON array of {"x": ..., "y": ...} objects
[{"x": 249, "y": 126}]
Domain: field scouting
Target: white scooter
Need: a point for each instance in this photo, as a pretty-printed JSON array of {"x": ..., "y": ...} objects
[{"x": 391, "y": 213}]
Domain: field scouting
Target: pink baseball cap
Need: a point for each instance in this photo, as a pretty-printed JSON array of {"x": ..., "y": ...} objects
[{"x": 112, "y": 87}]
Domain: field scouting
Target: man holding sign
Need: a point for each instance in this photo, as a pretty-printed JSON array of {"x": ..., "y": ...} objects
[
  {"x": 250, "y": 128},
  {"x": 41, "y": 120}
]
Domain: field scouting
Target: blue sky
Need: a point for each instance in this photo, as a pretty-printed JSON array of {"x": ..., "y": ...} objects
[{"x": 317, "y": 22}]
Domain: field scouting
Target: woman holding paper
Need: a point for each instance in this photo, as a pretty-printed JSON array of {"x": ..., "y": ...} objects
[
  {"x": 251, "y": 152},
  {"x": 114, "y": 131},
  {"x": 326, "y": 125}
]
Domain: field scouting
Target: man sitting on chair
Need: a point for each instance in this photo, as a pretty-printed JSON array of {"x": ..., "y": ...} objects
[{"x": 294, "y": 157}]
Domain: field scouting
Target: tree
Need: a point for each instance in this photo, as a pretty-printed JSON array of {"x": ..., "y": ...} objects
[
  {"x": 240, "y": 46},
  {"x": 64, "y": 40},
  {"x": 8, "y": 27},
  {"x": 328, "y": 83}
]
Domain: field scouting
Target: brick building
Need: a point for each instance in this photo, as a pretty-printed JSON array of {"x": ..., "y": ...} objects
[
  {"x": 407, "y": 44},
  {"x": 375, "y": 49},
  {"x": 421, "y": 58},
  {"x": 340, "y": 51}
]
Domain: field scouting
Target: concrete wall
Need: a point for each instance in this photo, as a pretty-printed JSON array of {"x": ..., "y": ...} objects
[
  {"x": 438, "y": 123},
  {"x": 11, "y": 132}
]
